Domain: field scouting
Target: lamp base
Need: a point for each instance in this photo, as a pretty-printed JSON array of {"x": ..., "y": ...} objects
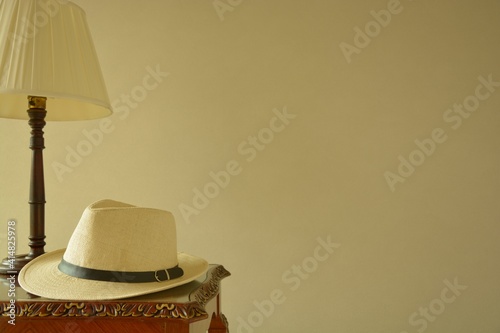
[{"x": 12, "y": 266}]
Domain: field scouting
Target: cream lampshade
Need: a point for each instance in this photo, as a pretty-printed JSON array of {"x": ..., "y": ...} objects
[
  {"x": 46, "y": 57},
  {"x": 46, "y": 50}
]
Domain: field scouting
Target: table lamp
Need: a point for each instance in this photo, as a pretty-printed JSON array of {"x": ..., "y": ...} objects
[{"x": 46, "y": 57}]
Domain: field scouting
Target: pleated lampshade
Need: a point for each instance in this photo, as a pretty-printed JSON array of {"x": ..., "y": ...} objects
[{"x": 46, "y": 50}]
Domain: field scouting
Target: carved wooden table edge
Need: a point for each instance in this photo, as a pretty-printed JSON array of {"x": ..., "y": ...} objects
[
  {"x": 211, "y": 286},
  {"x": 194, "y": 309}
]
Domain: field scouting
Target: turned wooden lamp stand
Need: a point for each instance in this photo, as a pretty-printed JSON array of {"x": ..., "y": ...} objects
[{"x": 37, "y": 115}]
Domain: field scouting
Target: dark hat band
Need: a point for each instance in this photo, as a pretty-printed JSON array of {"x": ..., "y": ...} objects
[{"x": 120, "y": 276}]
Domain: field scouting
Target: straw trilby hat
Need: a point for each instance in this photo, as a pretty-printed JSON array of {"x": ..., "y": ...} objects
[{"x": 116, "y": 251}]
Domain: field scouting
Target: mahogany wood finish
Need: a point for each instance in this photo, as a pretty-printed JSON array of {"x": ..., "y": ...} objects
[
  {"x": 37, "y": 186},
  {"x": 192, "y": 308},
  {"x": 37, "y": 115}
]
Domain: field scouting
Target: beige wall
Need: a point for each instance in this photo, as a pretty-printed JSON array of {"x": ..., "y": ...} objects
[{"x": 327, "y": 174}]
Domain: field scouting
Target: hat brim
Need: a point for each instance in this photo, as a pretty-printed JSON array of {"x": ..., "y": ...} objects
[{"x": 41, "y": 277}]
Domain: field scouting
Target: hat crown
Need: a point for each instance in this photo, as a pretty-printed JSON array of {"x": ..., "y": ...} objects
[{"x": 120, "y": 237}]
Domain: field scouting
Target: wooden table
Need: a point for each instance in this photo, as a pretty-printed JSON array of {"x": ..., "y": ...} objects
[{"x": 194, "y": 307}]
